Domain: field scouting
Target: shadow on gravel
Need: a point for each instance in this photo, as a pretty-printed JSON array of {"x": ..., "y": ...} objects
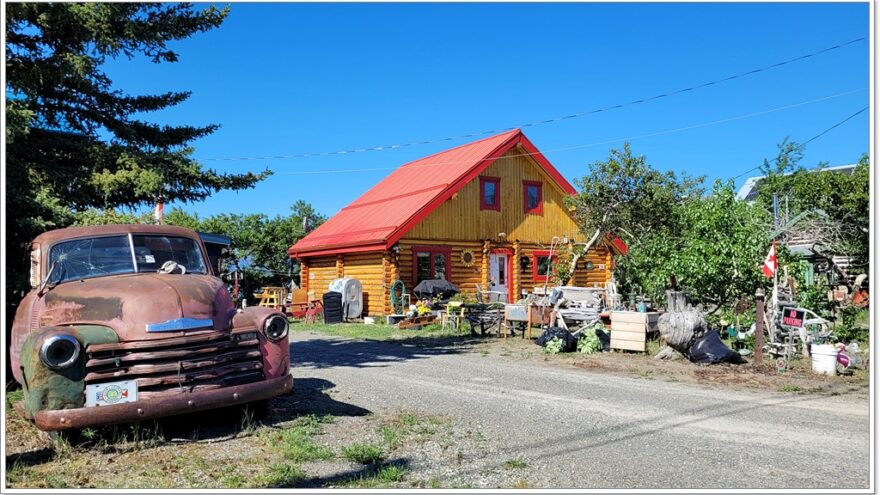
[
  {"x": 32, "y": 458},
  {"x": 309, "y": 396},
  {"x": 335, "y": 352},
  {"x": 362, "y": 477}
]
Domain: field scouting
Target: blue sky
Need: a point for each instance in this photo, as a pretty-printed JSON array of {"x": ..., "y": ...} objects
[{"x": 285, "y": 79}]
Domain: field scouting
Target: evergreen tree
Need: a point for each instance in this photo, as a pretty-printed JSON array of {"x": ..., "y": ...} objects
[{"x": 74, "y": 141}]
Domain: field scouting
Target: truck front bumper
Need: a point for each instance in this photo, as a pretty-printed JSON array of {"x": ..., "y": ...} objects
[{"x": 185, "y": 402}]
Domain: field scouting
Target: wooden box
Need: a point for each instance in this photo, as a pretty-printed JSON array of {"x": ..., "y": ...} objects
[{"x": 630, "y": 329}]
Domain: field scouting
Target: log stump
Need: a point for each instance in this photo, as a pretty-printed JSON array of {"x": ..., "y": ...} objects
[{"x": 680, "y": 325}]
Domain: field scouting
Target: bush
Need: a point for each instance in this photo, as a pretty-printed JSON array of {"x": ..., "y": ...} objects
[
  {"x": 589, "y": 342},
  {"x": 849, "y": 329},
  {"x": 554, "y": 346}
]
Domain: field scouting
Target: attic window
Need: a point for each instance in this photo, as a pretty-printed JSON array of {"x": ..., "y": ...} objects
[
  {"x": 533, "y": 196},
  {"x": 490, "y": 193}
]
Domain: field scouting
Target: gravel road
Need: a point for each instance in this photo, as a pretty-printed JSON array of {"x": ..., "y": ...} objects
[{"x": 574, "y": 428}]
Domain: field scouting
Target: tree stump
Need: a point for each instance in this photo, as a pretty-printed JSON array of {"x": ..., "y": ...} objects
[{"x": 679, "y": 325}]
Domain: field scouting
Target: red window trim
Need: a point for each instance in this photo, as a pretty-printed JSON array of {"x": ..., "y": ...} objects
[
  {"x": 538, "y": 210},
  {"x": 446, "y": 250},
  {"x": 535, "y": 255},
  {"x": 497, "y": 181}
]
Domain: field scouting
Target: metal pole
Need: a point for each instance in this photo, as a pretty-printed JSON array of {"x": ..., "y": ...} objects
[{"x": 759, "y": 327}]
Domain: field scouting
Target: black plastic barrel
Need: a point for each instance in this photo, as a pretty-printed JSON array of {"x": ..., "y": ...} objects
[{"x": 332, "y": 307}]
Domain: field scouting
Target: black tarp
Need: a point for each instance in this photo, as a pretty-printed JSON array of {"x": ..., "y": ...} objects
[
  {"x": 709, "y": 349},
  {"x": 431, "y": 288},
  {"x": 604, "y": 339},
  {"x": 569, "y": 342}
]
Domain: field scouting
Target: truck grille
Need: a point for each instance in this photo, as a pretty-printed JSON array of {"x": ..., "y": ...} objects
[{"x": 175, "y": 365}]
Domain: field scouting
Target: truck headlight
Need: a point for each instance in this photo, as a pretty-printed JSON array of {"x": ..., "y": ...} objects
[
  {"x": 275, "y": 328},
  {"x": 60, "y": 351}
]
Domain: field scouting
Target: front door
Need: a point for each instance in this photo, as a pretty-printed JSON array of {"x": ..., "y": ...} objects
[{"x": 499, "y": 276}]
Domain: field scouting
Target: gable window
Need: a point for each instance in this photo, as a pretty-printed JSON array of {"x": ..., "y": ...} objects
[
  {"x": 430, "y": 262},
  {"x": 490, "y": 193},
  {"x": 541, "y": 265},
  {"x": 533, "y": 196}
]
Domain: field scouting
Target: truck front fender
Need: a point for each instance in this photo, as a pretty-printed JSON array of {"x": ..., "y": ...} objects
[{"x": 48, "y": 389}]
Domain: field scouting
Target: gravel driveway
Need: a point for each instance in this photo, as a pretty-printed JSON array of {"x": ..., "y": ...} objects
[{"x": 531, "y": 424}]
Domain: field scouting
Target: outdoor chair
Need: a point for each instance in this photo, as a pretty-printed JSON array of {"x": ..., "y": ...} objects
[
  {"x": 453, "y": 315},
  {"x": 485, "y": 314}
]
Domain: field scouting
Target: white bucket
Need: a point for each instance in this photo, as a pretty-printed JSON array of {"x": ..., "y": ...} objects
[{"x": 824, "y": 358}]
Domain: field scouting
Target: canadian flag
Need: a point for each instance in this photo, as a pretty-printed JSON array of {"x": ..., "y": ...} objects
[{"x": 770, "y": 264}]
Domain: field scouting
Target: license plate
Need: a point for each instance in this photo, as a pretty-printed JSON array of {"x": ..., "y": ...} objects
[{"x": 107, "y": 394}]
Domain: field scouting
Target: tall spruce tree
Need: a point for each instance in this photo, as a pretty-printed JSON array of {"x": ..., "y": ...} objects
[{"x": 74, "y": 141}]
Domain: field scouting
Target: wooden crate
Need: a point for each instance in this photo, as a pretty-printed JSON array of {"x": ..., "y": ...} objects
[{"x": 629, "y": 329}]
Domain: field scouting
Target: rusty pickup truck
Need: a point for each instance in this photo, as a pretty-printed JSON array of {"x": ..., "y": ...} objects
[{"x": 129, "y": 322}]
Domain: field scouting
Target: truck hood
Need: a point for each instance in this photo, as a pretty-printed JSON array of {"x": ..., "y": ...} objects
[{"x": 128, "y": 303}]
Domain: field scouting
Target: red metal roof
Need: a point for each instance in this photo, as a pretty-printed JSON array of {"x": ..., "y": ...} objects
[{"x": 382, "y": 215}]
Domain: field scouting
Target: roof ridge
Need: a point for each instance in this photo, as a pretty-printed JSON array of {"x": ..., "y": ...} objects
[{"x": 472, "y": 143}]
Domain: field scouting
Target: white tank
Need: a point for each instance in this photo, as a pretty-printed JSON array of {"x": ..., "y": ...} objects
[{"x": 352, "y": 296}]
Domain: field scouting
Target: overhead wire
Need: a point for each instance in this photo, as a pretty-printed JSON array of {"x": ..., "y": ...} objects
[
  {"x": 546, "y": 121},
  {"x": 802, "y": 145},
  {"x": 597, "y": 143}
]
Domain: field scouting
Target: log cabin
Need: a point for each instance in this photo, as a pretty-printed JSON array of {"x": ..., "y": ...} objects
[{"x": 482, "y": 215}]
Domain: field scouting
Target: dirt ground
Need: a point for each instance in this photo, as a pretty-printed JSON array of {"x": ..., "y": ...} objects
[
  {"x": 798, "y": 376},
  {"x": 316, "y": 437}
]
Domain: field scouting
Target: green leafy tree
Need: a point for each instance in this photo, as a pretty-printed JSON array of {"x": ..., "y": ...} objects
[
  {"x": 714, "y": 248},
  {"x": 259, "y": 243},
  {"x": 841, "y": 199},
  {"x": 76, "y": 142},
  {"x": 626, "y": 195}
]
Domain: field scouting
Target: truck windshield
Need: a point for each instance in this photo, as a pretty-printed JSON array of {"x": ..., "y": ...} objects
[{"x": 99, "y": 256}]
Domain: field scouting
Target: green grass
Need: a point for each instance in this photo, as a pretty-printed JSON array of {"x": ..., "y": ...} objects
[
  {"x": 12, "y": 397},
  {"x": 281, "y": 475},
  {"x": 515, "y": 463},
  {"x": 408, "y": 419},
  {"x": 364, "y": 453},
  {"x": 296, "y": 442},
  {"x": 375, "y": 332},
  {"x": 383, "y": 478},
  {"x": 790, "y": 388},
  {"x": 391, "y": 435},
  {"x": 233, "y": 480},
  {"x": 19, "y": 475}
]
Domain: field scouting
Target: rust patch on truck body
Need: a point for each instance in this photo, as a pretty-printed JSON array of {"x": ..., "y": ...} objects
[{"x": 177, "y": 337}]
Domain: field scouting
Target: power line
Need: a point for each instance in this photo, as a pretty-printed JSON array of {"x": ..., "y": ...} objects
[
  {"x": 597, "y": 143},
  {"x": 832, "y": 127},
  {"x": 802, "y": 145},
  {"x": 551, "y": 120}
]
